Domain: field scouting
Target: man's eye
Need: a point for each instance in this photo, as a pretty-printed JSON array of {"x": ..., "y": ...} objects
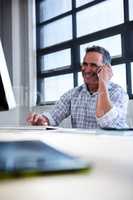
[
  {"x": 93, "y": 65},
  {"x": 85, "y": 64}
]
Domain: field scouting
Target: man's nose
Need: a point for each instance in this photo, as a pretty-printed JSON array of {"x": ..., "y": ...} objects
[{"x": 87, "y": 68}]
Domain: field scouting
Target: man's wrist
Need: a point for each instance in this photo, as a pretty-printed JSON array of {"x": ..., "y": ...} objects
[{"x": 102, "y": 93}]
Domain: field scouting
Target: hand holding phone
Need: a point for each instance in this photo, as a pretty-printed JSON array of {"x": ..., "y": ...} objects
[{"x": 105, "y": 72}]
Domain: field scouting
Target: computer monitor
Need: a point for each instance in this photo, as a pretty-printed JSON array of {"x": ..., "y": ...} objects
[{"x": 7, "y": 99}]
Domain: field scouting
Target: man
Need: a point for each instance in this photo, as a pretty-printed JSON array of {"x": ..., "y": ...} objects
[{"x": 97, "y": 103}]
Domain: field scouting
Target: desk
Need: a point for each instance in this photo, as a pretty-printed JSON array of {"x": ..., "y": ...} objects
[{"x": 110, "y": 179}]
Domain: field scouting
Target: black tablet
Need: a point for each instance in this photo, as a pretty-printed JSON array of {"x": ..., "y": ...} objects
[{"x": 36, "y": 156}]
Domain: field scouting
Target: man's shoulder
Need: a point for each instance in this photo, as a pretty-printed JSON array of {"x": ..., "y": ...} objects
[
  {"x": 75, "y": 91},
  {"x": 114, "y": 87}
]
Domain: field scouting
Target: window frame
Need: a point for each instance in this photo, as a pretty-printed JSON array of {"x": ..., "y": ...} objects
[{"x": 125, "y": 30}]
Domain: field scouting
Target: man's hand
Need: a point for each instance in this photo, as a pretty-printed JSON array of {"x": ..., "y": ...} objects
[
  {"x": 105, "y": 73},
  {"x": 36, "y": 119},
  {"x": 103, "y": 101}
]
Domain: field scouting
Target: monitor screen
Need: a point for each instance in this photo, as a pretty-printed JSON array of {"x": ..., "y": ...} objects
[{"x": 7, "y": 99}]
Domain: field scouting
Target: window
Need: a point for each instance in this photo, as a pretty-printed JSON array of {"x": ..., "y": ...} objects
[
  {"x": 49, "y": 9},
  {"x": 66, "y": 27},
  {"x": 132, "y": 74},
  {"x": 100, "y": 16},
  {"x": 82, "y": 2},
  {"x": 54, "y": 60},
  {"x": 80, "y": 78},
  {"x": 131, "y": 9},
  {"x": 112, "y": 44},
  {"x": 51, "y": 33},
  {"x": 119, "y": 75},
  {"x": 56, "y": 86}
]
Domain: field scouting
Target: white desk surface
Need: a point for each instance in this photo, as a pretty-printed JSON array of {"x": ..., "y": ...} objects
[{"x": 110, "y": 179}]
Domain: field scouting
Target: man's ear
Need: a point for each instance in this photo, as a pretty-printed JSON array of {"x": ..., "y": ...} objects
[
  {"x": 109, "y": 65},
  {"x": 81, "y": 67}
]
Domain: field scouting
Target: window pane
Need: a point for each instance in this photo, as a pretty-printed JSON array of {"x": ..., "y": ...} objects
[
  {"x": 56, "y": 32},
  {"x": 119, "y": 76},
  {"x": 50, "y": 8},
  {"x": 100, "y": 16},
  {"x": 112, "y": 44},
  {"x": 54, "y": 60},
  {"x": 80, "y": 78},
  {"x": 132, "y": 76},
  {"x": 56, "y": 86},
  {"x": 82, "y": 2},
  {"x": 131, "y": 9}
]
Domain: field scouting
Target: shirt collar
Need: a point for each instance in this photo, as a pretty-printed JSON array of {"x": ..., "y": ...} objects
[
  {"x": 95, "y": 93},
  {"x": 88, "y": 92}
]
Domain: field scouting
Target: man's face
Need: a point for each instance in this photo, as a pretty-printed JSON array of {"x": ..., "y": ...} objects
[{"x": 91, "y": 63}]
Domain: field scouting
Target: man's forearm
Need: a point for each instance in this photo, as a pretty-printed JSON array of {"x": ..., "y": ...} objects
[
  {"x": 103, "y": 101},
  {"x": 103, "y": 104}
]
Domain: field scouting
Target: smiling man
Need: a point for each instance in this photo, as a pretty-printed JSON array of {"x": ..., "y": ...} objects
[{"x": 97, "y": 103}]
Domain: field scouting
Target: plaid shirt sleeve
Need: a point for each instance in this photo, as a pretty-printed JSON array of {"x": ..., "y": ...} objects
[
  {"x": 116, "y": 117},
  {"x": 61, "y": 110}
]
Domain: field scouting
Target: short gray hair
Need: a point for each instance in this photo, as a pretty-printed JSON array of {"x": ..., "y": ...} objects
[{"x": 103, "y": 51}]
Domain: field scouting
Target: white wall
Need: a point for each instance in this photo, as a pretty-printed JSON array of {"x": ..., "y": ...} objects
[{"x": 20, "y": 53}]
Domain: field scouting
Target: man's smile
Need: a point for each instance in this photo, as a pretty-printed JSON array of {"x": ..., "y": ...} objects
[{"x": 89, "y": 74}]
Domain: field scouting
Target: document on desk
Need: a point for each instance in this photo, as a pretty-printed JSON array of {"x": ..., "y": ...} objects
[
  {"x": 19, "y": 157},
  {"x": 47, "y": 128},
  {"x": 32, "y": 128},
  {"x": 25, "y": 129}
]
